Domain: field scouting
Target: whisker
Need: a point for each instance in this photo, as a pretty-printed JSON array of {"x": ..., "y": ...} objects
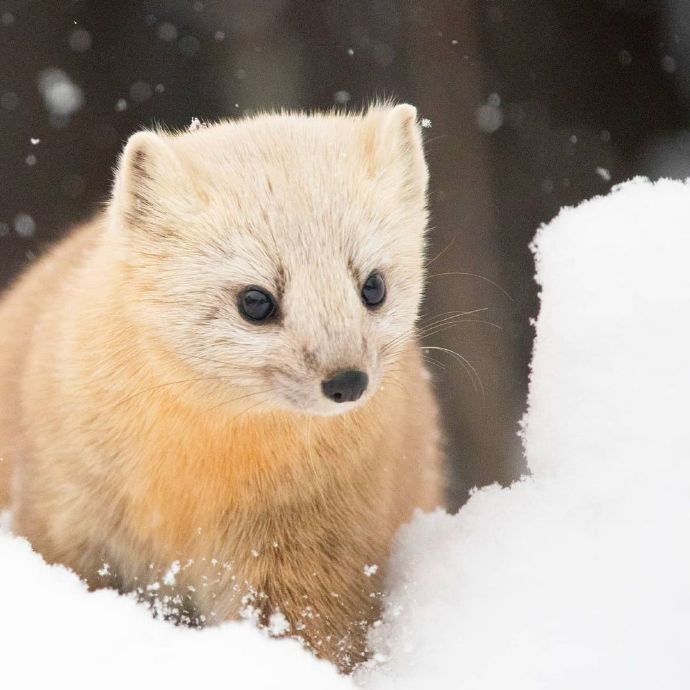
[
  {"x": 241, "y": 397},
  {"x": 441, "y": 253},
  {"x": 395, "y": 381},
  {"x": 451, "y": 324},
  {"x": 247, "y": 409},
  {"x": 437, "y": 325},
  {"x": 440, "y": 318},
  {"x": 440, "y": 322},
  {"x": 395, "y": 346},
  {"x": 473, "y": 275},
  {"x": 310, "y": 454},
  {"x": 428, "y": 359},
  {"x": 207, "y": 359},
  {"x": 467, "y": 365},
  {"x": 172, "y": 383},
  {"x": 466, "y": 312},
  {"x": 431, "y": 140}
]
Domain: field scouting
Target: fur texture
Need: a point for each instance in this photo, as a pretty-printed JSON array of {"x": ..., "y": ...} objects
[{"x": 145, "y": 425}]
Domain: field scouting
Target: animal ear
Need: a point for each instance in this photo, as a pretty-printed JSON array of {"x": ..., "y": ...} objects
[
  {"x": 400, "y": 149},
  {"x": 144, "y": 173}
]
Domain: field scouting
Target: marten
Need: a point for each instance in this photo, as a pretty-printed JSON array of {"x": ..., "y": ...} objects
[{"x": 212, "y": 395}]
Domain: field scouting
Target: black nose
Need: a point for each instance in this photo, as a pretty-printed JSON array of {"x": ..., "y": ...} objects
[{"x": 345, "y": 386}]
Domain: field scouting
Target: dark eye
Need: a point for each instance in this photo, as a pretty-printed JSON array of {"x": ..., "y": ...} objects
[
  {"x": 374, "y": 290},
  {"x": 256, "y": 304}
]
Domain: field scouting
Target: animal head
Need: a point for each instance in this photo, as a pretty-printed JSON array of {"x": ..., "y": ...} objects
[{"x": 282, "y": 256}]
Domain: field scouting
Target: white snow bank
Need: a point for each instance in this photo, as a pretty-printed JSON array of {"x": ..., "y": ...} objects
[
  {"x": 54, "y": 634},
  {"x": 578, "y": 577}
]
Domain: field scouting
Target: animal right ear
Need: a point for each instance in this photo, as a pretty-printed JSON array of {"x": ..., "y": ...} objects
[
  {"x": 145, "y": 168},
  {"x": 397, "y": 148}
]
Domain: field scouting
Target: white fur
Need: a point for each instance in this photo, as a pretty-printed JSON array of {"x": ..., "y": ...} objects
[{"x": 303, "y": 205}]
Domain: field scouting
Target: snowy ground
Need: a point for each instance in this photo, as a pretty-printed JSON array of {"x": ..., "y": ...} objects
[{"x": 576, "y": 577}]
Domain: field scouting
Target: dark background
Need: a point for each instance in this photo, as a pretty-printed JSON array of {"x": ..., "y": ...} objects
[{"x": 533, "y": 105}]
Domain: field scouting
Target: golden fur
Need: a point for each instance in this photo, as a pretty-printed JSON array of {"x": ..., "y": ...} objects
[{"x": 154, "y": 441}]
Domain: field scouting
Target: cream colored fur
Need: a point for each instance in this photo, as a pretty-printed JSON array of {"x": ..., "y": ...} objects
[{"x": 145, "y": 424}]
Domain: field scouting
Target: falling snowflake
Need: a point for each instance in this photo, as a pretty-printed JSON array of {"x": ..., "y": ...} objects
[
  {"x": 196, "y": 124},
  {"x": 604, "y": 173}
]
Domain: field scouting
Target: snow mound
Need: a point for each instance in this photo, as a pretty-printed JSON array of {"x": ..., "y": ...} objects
[
  {"x": 576, "y": 577},
  {"x": 54, "y": 634}
]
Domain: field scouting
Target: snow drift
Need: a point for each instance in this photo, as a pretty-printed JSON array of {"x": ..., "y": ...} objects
[
  {"x": 53, "y": 634},
  {"x": 574, "y": 577}
]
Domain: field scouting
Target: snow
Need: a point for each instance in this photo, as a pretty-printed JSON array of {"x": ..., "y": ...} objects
[
  {"x": 80, "y": 40},
  {"x": 167, "y": 32},
  {"x": 196, "y": 124},
  {"x": 604, "y": 173},
  {"x": 55, "y": 634},
  {"x": 278, "y": 625},
  {"x": 170, "y": 576},
  {"x": 575, "y": 577},
  {"x": 24, "y": 225},
  {"x": 489, "y": 115},
  {"x": 61, "y": 95}
]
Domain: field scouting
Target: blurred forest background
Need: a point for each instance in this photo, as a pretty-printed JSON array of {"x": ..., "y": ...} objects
[{"x": 532, "y": 106}]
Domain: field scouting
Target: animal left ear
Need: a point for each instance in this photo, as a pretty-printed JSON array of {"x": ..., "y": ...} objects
[
  {"x": 145, "y": 182},
  {"x": 400, "y": 147}
]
